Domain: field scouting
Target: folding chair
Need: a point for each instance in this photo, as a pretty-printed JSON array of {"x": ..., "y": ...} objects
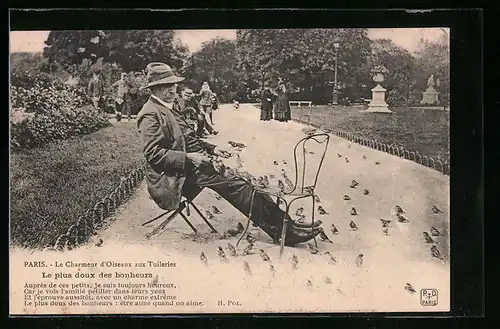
[
  {"x": 185, "y": 204},
  {"x": 321, "y": 138}
]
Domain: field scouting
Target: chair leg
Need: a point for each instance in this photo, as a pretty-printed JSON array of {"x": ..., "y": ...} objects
[
  {"x": 166, "y": 221},
  {"x": 204, "y": 218},
  {"x": 283, "y": 232},
  {"x": 189, "y": 223},
  {"x": 154, "y": 219}
]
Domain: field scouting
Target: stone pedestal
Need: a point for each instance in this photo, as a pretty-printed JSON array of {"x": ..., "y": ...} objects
[
  {"x": 378, "y": 103},
  {"x": 430, "y": 97}
]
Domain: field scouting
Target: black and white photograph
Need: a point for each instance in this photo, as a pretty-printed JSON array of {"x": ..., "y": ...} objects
[{"x": 230, "y": 171}]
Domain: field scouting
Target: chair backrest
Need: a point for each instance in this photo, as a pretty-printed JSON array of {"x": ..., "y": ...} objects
[{"x": 322, "y": 139}]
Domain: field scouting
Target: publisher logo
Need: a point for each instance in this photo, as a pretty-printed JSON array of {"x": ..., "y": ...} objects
[{"x": 428, "y": 297}]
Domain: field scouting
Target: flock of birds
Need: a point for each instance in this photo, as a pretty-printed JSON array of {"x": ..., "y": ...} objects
[{"x": 398, "y": 214}]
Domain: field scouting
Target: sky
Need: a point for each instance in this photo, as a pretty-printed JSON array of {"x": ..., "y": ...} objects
[{"x": 408, "y": 38}]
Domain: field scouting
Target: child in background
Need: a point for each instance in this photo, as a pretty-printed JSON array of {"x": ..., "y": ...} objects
[{"x": 236, "y": 105}]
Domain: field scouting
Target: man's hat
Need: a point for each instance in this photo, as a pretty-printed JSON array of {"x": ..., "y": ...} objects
[{"x": 160, "y": 73}]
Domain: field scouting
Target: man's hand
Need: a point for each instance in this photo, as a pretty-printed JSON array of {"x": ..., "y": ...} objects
[
  {"x": 222, "y": 152},
  {"x": 198, "y": 159}
]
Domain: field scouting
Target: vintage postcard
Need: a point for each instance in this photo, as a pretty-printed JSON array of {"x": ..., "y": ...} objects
[{"x": 229, "y": 171}]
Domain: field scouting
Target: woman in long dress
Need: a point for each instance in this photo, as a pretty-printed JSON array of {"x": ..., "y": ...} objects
[
  {"x": 282, "y": 111},
  {"x": 266, "y": 104}
]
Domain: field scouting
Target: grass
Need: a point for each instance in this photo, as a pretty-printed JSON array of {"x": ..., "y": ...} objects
[
  {"x": 423, "y": 130},
  {"x": 53, "y": 185}
]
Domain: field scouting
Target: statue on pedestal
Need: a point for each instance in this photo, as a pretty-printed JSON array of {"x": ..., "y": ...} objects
[{"x": 430, "y": 95}]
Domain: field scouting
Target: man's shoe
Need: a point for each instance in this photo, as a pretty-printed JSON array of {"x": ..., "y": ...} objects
[
  {"x": 215, "y": 132},
  {"x": 296, "y": 235}
]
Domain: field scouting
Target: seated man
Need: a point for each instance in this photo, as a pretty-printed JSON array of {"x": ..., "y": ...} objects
[
  {"x": 179, "y": 162},
  {"x": 187, "y": 101}
]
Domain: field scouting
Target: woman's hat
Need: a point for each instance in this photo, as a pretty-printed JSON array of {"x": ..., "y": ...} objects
[{"x": 159, "y": 74}]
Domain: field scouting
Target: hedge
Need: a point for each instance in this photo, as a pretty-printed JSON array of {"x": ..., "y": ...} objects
[{"x": 43, "y": 109}]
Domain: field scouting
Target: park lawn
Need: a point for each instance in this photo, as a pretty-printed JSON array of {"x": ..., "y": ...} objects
[
  {"x": 423, "y": 130},
  {"x": 51, "y": 186}
]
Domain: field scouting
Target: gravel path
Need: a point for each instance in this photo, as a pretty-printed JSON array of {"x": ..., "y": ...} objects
[{"x": 390, "y": 261}]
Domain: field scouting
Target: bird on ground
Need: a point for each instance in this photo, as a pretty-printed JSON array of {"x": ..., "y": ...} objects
[
  {"x": 295, "y": 261},
  {"x": 364, "y": 157},
  {"x": 216, "y": 210},
  {"x": 322, "y": 211},
  {"x": 209, "y": 214},
  {"x": 349, "y": 146},
  {"x": 301, "y": 219},
  {"x": 309, "y": 189},
  {"x": 331, "y": 259},
  {"x": 309, "y": 284},
  {"x": 246, "y": 266},
  {"x": 402, "y": 219},
  {"x": 271, "y": 176},
  {"x": 218, "y": 197},
  {"x": 435, "y": 253},
  {"x": 309, "y": 131},
  {"x": 377, "y": 162},
  {"x": 328, "y": 280},
  {"x": 346, "y": 197},
  {"x": 312, "y": 248},
  {"x": 354, "y": 212},
  {"x": 248, "y": 249},
  {"x": 385, "y": 223},
  {"x": 409, "y": 288},
  {"x": 366, "y": 192},
  {"x": 359, "y": 260},
  {"x": 99, "y": 243},
  {"x": 271, "y": 269},
  {"x": 353, "y": 184},
  {"x": 240, "y": 227},
  {"x": 281, "y": 185},
  {"x": 334, "y": 229},
  {"x": 435, "y": 231},
  {"x": 275, "y": 163},
  {"x": 265, "y": 257},
  {"x": 203, "y": 258},
  {"x": 284, "y": 162},
  {"x": 339, "y": 155},
  {"x": 251, "y": 238},
  {"x": 324, "y": 237},
  {"x": 346, "y": 159},
  {"x": 231, "y": 232},
  {"x": 398, "y": 210},
  {"x": 288, "y": 182},
  {"x": 221, "y": 253},
  {"x": 317, "y": 199},
  {"x": 428, "y": 238},
  {"x": 300, "y": 211},
  {"x": 353, "y": 226},
  {"x": 232, "y": 249},
  {"x": 385, "y": 231},
  {"x": 311, "y": 152},
  {"x": 436, "y": 210}
]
